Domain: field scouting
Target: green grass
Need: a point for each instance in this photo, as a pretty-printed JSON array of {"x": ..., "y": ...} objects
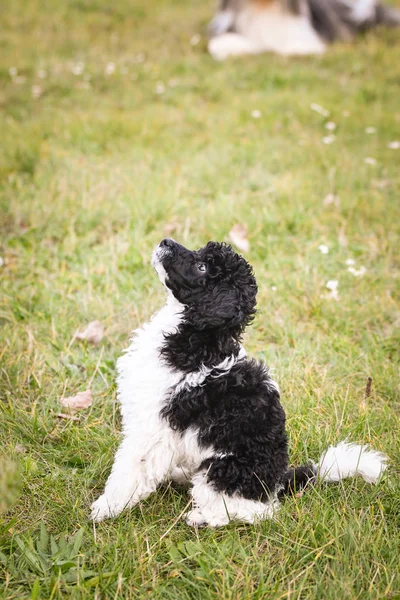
[{"x": 95, "y": 168}]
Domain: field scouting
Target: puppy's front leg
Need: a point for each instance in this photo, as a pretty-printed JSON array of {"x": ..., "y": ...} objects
[{"x": 133, "y": 477}]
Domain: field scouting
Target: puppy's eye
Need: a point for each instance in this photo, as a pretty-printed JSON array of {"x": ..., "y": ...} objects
[{"x": 201, "y": 267}]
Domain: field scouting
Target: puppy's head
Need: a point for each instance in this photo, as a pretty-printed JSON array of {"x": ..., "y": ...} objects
[{"x": 216, "y": 285}]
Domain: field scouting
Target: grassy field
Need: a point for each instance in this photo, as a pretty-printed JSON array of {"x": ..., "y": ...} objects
[{"x": 118, "y": 129}]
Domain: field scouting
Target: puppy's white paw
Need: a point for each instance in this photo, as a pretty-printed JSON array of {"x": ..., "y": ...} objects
[
  {"x": 218, "y": 50},
  {"x": 194, "y": 518},
  {"x": 104, "y": 508},
  {"x": 230, "y": 44}
]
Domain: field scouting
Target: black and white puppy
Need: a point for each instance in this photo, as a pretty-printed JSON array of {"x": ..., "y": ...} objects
[
  {"x": 291, "y": 27},
  {"x": 195, "y": 409}
]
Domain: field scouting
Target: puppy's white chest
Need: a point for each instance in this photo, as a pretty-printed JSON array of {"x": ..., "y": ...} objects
[
  {"x": 144, "y": 377},
  {"x": 275, "y": 30}
]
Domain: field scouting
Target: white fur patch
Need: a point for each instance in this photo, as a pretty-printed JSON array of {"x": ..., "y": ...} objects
[
  {"x": 265, "y": 29},
  {"x": 231, "y": 44},
  {"x": 215, "y": 509},
  {"x": 148, "y": 449},
  {"x": 348, "y": 460},
  {"x": 363, "y": 10},
  {"x": 197, "y": 378},
  {"x": 157, "y": 264}
]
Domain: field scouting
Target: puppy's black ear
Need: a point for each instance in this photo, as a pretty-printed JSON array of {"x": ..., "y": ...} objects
[{"x": 224, "y": 307}]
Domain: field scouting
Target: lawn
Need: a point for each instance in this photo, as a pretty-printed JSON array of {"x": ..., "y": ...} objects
[{"x": 118, "y": 129}]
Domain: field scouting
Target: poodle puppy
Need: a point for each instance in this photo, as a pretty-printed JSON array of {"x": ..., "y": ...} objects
[
  {"x": 196, "y": 409},
  {"x": 291, "y": 27}
]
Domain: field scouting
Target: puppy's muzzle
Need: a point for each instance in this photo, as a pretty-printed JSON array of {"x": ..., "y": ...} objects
[{"x": 166, "y": 249}]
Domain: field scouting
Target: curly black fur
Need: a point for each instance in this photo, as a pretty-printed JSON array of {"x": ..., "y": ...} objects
[{"x": 237, "y": 413}]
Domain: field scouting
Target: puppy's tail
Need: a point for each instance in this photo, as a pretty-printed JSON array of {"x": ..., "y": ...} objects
[{"x": 337, "y": 463}]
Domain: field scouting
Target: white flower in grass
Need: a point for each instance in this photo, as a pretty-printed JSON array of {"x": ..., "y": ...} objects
[
  {"x": 78, "y": 68},
  {"x": 332, "y": 285},
  {"x": 36, "y": 91},
  {"x": 13, "y": 71},
  {"x": 42, "y": 73},
  {"x": 110, "y": 68},
  {"x": 195, "y": 39},
  {"x": 370, "y": 161},
  {"x": 350, "y": 262},
  {"x": 323, "y": 249},
  {"x": 273, "y": 288},
  {"x": 357, "y": 272},
  {"x": 160, "y": 88},
  {"x": 370, "y": 130},
  {"x": 395, "y": 145},
  {"x": 330, "y": 126},
  {"x": 319, "y": 109},
  {"x": 1, "y": 261},
  {"x": 328, "y": 139},
  {"x": 256, "y": 114}
]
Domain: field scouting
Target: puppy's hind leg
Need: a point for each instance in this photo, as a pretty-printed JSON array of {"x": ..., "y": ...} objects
[
  {"x": 216, "y": 509},
  {"x": 231, "y": 44},
  {"x": 133, "y": 477}
]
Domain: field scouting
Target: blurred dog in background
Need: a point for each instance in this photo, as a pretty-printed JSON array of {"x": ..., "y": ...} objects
[{"x": 291, "y": 27}]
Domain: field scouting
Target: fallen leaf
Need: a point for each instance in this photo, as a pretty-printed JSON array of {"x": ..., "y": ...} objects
[
  {"x": 20, "y": 449},
  {"x": 238, "y": 237},
  {"x": 78, "y": 402},
  {"x": 93, "y": 333}
]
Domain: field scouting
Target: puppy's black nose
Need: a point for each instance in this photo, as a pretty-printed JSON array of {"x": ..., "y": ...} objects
[{"x": 166, "y": 243}]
